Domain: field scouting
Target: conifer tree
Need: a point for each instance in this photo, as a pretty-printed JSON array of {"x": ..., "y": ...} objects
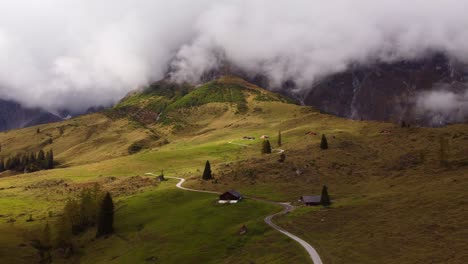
[
  {"x": 41, "y": 155},
  {"x": 32, "y": 157},
  {"x": 64, "y": 232},
  {"x": 207, "y": 175},
  {"x": 324, "y": 142},
  {"x": 46, "y": 240},
  {"x": 71, "y": 216},
  {"x": 50, "y": 159},
  {"x": 87, "y": 209},
  {"x": 8, "y": 164},
  {"x": 324, "y": 198},
  {"x": 266, "y": 147},
  {"x": 105, "y": 224},
  {"x": 67, "y": 225},
  {"x": 279, "y": 139}
]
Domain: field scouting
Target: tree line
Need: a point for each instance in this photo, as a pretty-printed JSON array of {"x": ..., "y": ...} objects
[
  {"x": 93, "y": 208},
  {"x": 29, "y": 162}
]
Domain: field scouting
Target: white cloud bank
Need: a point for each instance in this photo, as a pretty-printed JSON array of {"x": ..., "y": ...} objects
[{"x": 79, "y": 53}]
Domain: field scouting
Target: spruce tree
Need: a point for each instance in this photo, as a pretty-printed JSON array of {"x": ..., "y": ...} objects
[
  {"x": 71, "y": 214},
  {"x": 87, "y": 209},
  {"x": 324, "y": 198},
  {"x": 32, "y": 157},
  {"x": 105, "y": 224},
  {"x": 207, "y": 172},
  {"x": 64, "y": 232},
  {"x": 46, "y": 240},
  {"x": 41, "y": 155},
  {"x": 324, "y": 142},
  {"x": 49, "y": 160},
  {"x": 266, "y": 147},
  {"x": 8, "y": 164},
  {"x": 279, "y": 139}
]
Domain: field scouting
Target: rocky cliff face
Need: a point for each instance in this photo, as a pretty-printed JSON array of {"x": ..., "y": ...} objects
[
  {"x": 13, "y": 116},
  {"x": 399, "y": 91},
  {"x": 394, "y": 92}
]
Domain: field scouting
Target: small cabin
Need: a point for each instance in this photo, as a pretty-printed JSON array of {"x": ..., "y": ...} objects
[
  {"x": 265, "y": 137},
  {"x": 310, "y": 200},
  {"x": 230, "y": 197}
]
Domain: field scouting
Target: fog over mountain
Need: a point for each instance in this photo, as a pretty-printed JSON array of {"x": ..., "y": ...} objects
[{"x": 75, "y": 54}]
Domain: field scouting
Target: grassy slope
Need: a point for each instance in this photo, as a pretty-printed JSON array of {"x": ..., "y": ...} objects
[
  {"x": 377, "y": 195},
  {"x": 176, "y": 226}
]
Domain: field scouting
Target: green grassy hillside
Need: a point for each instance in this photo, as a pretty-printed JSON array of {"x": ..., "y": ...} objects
[{"x": 388, "y": 189}]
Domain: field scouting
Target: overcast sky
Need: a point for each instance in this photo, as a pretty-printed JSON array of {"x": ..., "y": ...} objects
[{"x": 79, "y": 53}]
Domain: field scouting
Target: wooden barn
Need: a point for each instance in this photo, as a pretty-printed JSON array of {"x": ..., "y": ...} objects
[
  {"x": 230, "y": 197},
  {"x": 310, "y": 200}
]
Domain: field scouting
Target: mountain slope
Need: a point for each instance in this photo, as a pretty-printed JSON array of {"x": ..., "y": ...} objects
[
  {"x": 385, "y": 181},
  {"x": 14, "y": 116},
  {"x": 389, "y": 92}
]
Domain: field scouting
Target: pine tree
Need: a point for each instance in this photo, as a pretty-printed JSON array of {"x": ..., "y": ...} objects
[
  {"x": 49, "y": 159},
  {"x": 46, "y": 241},
  {"x": 266, "y": 147},
  {"x": 8, "y": 164},
  {"x": 71, "y": 214},
  {"x": 324, "y": 198},
  {"x": 105, "y": 224},
  {"x": 67, "y": 224},
  {"x": 32, "y": 157},
  {"x": 87, "y": 209},
  {"x": 207, "y": 172},
  {"x": 41, "y": 155},
  {"x": 324, "y": 142},
  {"x": 279, "y": 139},
  {"x": 64, "y": 232}
]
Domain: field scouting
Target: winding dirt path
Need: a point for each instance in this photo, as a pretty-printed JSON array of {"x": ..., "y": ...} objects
[{"x": 314, "y": 256}]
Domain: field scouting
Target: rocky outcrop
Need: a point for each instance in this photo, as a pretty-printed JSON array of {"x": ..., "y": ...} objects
[
  {"x": 13, "y": 116},
  {"x": 379, "y": 91},
  {"x": 391, "y": 92}
]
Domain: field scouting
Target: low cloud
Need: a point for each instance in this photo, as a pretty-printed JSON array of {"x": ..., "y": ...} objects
[
  {"x": 79, "y": 53},
  {"x": 443, "y": 106}
]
